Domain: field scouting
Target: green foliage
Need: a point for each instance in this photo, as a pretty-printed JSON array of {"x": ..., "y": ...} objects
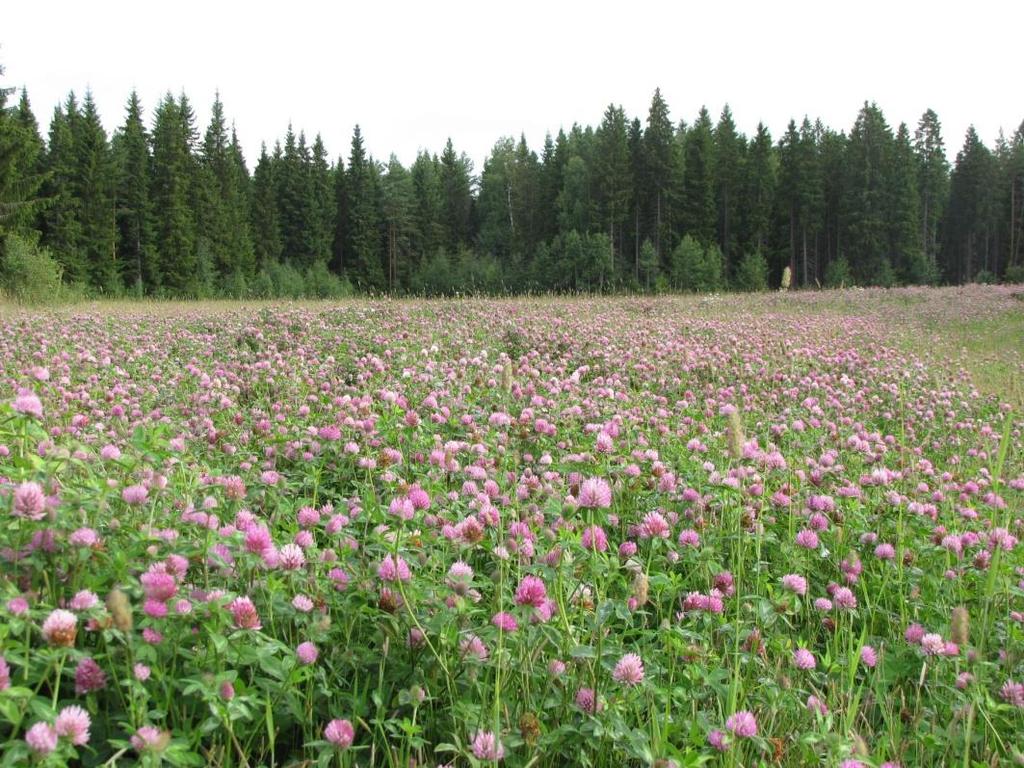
[
  {"x": 20, "y": 158},
  {"x": 752, "y": 272},
  {"x": 837, "y": 274},
  {"x": 175, "y": 213},
  {"x": 695, "y": 267},
  {"x": 985, "y": 277},
  {"x": 321, "y": 283},
  {"x": 28, "y": 273},
  {"x": 648, "y": 263},
  {"x": 1014, "y": 274}
]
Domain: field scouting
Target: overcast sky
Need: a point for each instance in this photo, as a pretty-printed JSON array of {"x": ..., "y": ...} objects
[{"x": 413, "y": 73}]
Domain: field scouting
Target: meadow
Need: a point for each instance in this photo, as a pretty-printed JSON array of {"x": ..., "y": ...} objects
[{"x": 772, "y": 529}]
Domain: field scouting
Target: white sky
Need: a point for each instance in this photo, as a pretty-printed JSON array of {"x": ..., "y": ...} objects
[{"x": 413, "y": 73}]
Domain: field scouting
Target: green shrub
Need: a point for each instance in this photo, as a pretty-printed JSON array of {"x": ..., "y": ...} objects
[
  {"x": 321, "y": 283},
  {"x": 837, "y": 274},
  {"x": 752, "y": 272},
  {"x": 985, "y": 277},
  {"x": 696, "y": 268},
  {"x": 288, "y": 282},
  {"x": 1014, "y": 274},
  {"x": 28, "y": 273}
]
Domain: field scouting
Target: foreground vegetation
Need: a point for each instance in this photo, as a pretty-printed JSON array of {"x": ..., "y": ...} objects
[{"x": 771, "y": 529}]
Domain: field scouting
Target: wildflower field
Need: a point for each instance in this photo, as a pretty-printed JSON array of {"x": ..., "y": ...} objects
[{"x": 746, "y": 530}]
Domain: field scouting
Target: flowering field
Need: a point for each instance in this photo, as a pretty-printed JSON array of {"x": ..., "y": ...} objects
[{"x": 766, "y": 530}]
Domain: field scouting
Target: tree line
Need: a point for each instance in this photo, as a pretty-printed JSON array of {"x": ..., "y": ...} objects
[{"x": 160, "y": 208}]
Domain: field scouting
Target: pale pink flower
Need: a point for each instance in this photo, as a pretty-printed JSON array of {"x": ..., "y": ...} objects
[
  {"x": 60, "y": 628},
  {"x": 486, "y": 746},
  {"x": 135, "y": 495},
  {"x": 595, "y": 493},
  {"x": 394, "y": 569},
  {"x": 29, "y": 501},
  {"x": 29, "y": 403},
  {"x": 743, "y": 724},
  {"x": 291, "y": 557},
  {"x": 307, "y": 652},
  {"x": 83, "y": 600},
  {"x": 244, "y": 613},
  {"x": 41, "y": 738},
  {"x": 629, "y": 670},
  {"x": 531, "y": 591},
  {"x": 803, "y": 659},
  {"x": 73, "y": 723},
  {"x": 340, "y": 733}
]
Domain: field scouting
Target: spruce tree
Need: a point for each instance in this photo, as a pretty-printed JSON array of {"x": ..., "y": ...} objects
[
  {"x": 428, "y": 207},
  {"x": 495, "y": 202},
  {"x": 363, "y": 258},
  {"x": 135, "y": 248},
  {"x": 906, "y": 254},
  {"x": 1014, "y": 185},
  {"x": 322, "y": 202},
  {"x": 833, "y": 163},
  {"x": 613, "y": 180},
  {"x": 21, "y": 164},
  {"x": 659, "y": 169},
  {"x": 456, "y": 188},
  {"x": 94, "y": 188},
  {"x": 932, "y": 184},
  {"x": 215, "y": 191},
  {"x": 239, "y": 205},
  {"x": 61, "y": 219},
  {"x": 728, "y": 159},
  {"x": 865, "y": 206},
  {"x": 969, "y": 227},
  {"x": 294, "y": 196},
  {"x": 171, "y": 193},
  {"x": 266, "y": 231},
  {"x": 758, "y": 190},
  {"x": 699, "y": 215},
  {"x": 397, "y": 211}
]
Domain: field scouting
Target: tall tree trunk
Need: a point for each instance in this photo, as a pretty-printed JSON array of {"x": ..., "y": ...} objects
[
  {"x": 611, "y": 243},
  {"x": 804, "y": 230},
  {"x": 792, "y": 241},
  {"x": 636, "y": 242},
  {"x": 657, "y": 231}
]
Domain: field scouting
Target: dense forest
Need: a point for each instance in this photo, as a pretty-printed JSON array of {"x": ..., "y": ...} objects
[{"x": 163, "y": 208}]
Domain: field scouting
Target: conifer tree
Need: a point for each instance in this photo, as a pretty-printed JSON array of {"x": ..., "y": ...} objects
[
  {"x": 866, "y": 214},
  {"x": 932, "y": 184},
  {"x": 266, "y": 229},
  {"x": 239, "y": 206},
  {"x": 171, "y": 193},
  {"x": 61, "y": 219},
  {"x": 363, "y": 262},
  {"x": 456, "y": 188},
  {"x": 397, "y": 207},
  {"x": 428, "y": 207},
  {"x": 758, "y": 192},
  {"x": 969, "y": 226},
  {"x": 660, "y": 161},
  {"x": 21, "y": 164},
  {"x": 216, "y": 179},
  {"x": 294, "y": 195},
  {"x": 728, "y": 159},
  {"x": 699, "y": 215},
  {"x": 135, "y": 249},
  {"x": 904, "y": 236},
  {"x": 93, "y": 186},
  {"x": 322, "y": 203},
  {"x": 613, "y": 181}
]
